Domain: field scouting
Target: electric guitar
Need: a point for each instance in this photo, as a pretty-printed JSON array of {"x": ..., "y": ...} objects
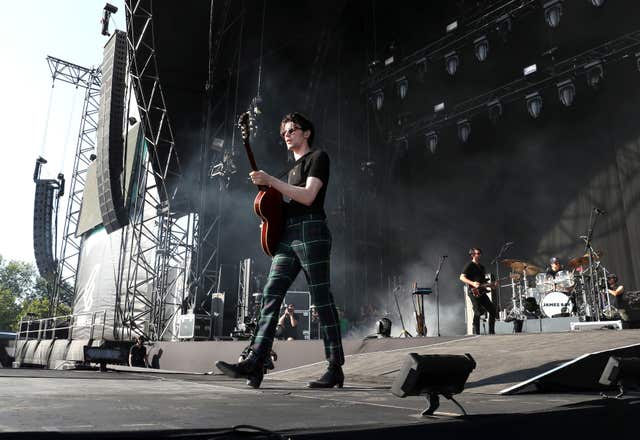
[
  {"x": 268, "y": 204},
  {"x": 483, "y": 287}
]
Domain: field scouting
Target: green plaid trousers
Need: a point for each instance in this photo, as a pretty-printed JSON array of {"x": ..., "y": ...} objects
[{"x": 306, "y": 246}]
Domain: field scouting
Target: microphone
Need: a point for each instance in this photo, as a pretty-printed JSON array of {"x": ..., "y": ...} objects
[{"x": 600, "y": 211}]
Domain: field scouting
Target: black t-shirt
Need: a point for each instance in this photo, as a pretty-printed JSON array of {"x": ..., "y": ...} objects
[
  {"x": 313, "y": 164},
  {"x": 474, "y": 272},
  {"x": 552, "y": 272},
  {"x": 138, "y": 353},
  {"x": 617, "y": 301}
]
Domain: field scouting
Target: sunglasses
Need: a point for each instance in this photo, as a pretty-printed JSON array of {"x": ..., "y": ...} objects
[{"x": 289, "y": 131}]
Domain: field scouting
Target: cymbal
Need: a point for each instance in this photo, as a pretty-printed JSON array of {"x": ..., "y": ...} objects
[
  {"x": 584, "y": 260},
  {"x": 522, "y": 266},
  {"x": 577, "y": 262}
]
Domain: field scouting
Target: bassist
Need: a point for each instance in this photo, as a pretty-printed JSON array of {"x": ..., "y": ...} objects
[
  {"x": 305, "y": 245},
  {"x": 474, "y": 276}
]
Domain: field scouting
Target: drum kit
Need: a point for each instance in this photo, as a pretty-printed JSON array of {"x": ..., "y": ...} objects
[{"x": 579, "y": 289}]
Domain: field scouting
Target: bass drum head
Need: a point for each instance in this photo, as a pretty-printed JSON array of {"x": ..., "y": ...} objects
[{"x": 556, "y": 304}]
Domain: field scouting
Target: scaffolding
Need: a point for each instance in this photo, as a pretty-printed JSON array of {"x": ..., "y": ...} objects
[
  {"x": 90, "y": 80},
  {"x": 154, "y": 276}
]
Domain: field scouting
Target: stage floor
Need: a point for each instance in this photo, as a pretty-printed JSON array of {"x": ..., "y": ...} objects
[
  {"x": 42, "y": 401},
  {"x": 136, "y": 403}
]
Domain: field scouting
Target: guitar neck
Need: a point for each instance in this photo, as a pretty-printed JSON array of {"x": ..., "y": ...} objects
[{"x": 252, "y": 159}]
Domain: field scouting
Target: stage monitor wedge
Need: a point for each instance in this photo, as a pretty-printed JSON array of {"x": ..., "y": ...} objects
[{"x": 110, "y": 139}]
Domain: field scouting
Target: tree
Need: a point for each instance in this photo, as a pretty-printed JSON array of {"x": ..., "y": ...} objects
[
  {"x": 22, "y": 280},
  {"x": 23, "y": 291},
  {"x": 9, "y": 309},
  {"x": 38, "y": 308}
]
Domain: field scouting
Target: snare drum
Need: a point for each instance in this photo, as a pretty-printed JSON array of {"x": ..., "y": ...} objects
[{"x": 556, "y": 304}]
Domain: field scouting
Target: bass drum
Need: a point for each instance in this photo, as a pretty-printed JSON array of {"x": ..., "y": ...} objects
[{"x": 556, "y": 304}]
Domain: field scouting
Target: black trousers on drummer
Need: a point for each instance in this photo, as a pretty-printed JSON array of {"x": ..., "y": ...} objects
[
  {"x": 306, "y": 246},
  {"x": 481, "y": 304}
]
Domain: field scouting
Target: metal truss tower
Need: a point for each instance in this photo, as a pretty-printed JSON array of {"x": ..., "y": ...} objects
[
  {"x": 90, "y": 80},
  {"x": 155, "y": 271}
]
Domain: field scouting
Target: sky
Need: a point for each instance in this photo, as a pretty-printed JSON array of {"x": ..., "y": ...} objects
[{"x": 30, "y": 30}]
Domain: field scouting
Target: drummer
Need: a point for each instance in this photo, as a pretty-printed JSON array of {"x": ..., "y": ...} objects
[{"x": 555, "y": 266}]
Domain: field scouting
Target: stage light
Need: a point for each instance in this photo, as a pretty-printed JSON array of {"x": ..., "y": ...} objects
[
  {"x": 622, "y": 372},
  {"x": 422, "y": 68},
  {"x": 553, "y": 12},
  {"x": 438, "y": 107},
  {"x": 481, "y": 48},
  {"x": 384, "y": 328},
  {"x": 432, "y": 375},
  {"x": 597, "y": 3},
  {"x": 374, "y": 66},
  {"x": 595, "y": 73},
  {"x": 377, "y": 99},
  {"x": 566, "y": 92},
  {"x": 503, "y": 26},
  {"x": 534, "y": 104},
  {"x": 495, "y": 110},
  {"x": 464, "y": 130},
  {"x": 452, "y": 26},
  {"x": 431, "y": 139},
  {"x": 402, "y": 86},
  {"x": 451, "y": 61},
  {"x": 529, "y": 70}
]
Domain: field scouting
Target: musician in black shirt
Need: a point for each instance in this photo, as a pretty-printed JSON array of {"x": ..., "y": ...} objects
[
  {"x": 474, "y": 277},
  {"x": 305, "y": 245}
]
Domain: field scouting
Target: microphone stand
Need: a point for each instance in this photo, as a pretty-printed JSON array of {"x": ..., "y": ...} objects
[
  {"x": 495, "y": 261},
  {"x": 435, "y": 285}
]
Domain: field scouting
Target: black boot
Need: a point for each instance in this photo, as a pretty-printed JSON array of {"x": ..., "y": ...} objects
[
  {"x": 332, "y": 377},
  {"x": 251, "y": 369}
]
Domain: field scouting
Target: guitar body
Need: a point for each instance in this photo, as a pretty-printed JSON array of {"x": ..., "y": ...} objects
[
  {"x": 268, "y": 205},
  {"x": 478, "y": 291},
  {"x": 485, "y": 287}
]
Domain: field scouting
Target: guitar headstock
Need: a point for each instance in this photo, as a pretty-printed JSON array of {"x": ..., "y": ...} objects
[{"x": 243, "y": 123}]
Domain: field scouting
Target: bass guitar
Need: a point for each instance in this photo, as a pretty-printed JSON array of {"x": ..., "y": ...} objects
[
  {"x": 268, "y": 204},
  {"x": 485, "y": 287}
]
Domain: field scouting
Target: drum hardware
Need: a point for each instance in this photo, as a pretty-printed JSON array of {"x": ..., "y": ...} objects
[
  {"x": 520, "y": 270},
  {"x": 495, "y": 261},
  {"x": 593, "y": 307}
]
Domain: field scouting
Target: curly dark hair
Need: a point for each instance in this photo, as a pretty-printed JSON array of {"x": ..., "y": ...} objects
[{"x": 301, "y": 120}]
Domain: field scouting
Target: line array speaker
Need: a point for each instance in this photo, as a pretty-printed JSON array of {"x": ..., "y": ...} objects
[
  {"x": 110, "y": 140},
  {"x": 43, "y": 228}
]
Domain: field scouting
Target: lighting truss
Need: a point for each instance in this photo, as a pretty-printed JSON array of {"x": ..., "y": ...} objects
[
  {"x": 610, "y": 52},
  {"x": 484, "y": 25}
]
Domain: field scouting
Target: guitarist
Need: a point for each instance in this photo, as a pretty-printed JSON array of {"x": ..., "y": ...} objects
[
  {"x": 474, "y": 276},
  {"x": 305, "y": 245}
]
